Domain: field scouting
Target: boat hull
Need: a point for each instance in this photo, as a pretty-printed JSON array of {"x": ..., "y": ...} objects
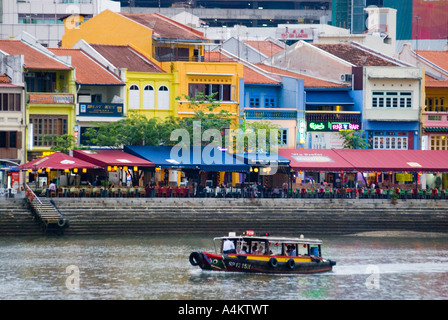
[{"x": 260, "y": 263}]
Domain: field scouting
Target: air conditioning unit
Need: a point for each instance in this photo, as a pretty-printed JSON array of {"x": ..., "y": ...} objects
[{"x": 345, "y": 77}]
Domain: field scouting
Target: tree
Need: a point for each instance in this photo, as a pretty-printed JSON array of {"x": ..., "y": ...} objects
[
  {"x": 136, "y": 129},
  {"x": 353, "y": 139},
  {"x": 204, "y": 114},
  {"x": 258, "y": 134},
  {"x": 63, "y": 143}
]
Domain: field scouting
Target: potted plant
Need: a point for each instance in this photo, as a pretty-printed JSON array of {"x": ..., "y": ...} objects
[{"x": 394, "y": 198}]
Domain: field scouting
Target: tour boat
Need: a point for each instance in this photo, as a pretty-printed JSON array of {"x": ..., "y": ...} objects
[{"x": 263, "y": 254}]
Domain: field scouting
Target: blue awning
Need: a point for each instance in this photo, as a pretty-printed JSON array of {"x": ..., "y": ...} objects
[
  {"x": 202, "y": 158},
  {"x": 9, "y": 168},
  {"x": 328, "y": 98}
]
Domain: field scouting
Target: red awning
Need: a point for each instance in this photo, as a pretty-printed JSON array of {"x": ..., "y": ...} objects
[
  {"x": 104, "y": 158},
  {"x": 315, "y": 160},
  {"x": 57, "y": 161},
  {"x": 396, "y": 160}
]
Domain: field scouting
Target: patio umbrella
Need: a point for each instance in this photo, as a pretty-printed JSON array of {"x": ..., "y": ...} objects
[{"x": 57, "y": 161}]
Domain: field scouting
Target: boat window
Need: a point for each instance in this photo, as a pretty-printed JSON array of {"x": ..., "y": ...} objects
[
  {"x": 275, "y": 248},
  {"x": 315, "y": 251},
  {"x": 303, "y": 249},
  {"x": 257, "y": 247},
  {"x": 291, "y": 249},
  {"x": 242, "y": 247}
]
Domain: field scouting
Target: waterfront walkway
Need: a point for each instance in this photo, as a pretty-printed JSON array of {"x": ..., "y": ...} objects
[
  {"x": 218, "y": 216},
  {"x": 238, "y": 192}
]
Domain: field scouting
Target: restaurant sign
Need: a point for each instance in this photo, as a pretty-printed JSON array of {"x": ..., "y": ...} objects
[
  {"x": 101, "y": 109},
  {"x": 328, "y": 126},
  {"x": 313, "y": 157}
]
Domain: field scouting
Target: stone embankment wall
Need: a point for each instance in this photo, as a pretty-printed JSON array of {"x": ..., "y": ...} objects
[{"x": 171, "y": 216}]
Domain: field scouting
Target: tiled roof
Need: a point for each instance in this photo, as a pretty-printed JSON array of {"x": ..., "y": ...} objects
[
  {"x": 431, "y": 82},
  {"x": 34, "y": 59},
  {"x": 439, "y": 58},
  {"x": 4, "y": 78},
  {"x": 354, "y": 55},
  {"x": 5, "y": 82},
  {"x": 216, "y": 56},
  {"x": 266, "y": 47},
  {"x": 126, "y": 57},
  {"x": 164, "y": 27},
  {"x": 309, "y": 82},
  {"x": 250, "y": 75},
  {"x": 87, "y": 70}
]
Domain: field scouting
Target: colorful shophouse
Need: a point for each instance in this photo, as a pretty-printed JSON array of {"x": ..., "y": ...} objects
[
  {"x": 175, "y": 48},
  {"x": 50, "y": 92}
]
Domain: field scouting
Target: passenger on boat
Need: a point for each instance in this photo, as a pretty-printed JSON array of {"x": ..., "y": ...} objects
[
  {"x": 243, "y": 250},
  {"x": 254, "y": 249},
  {"x": 228, "y": 247},
  {"x": 291, "y": 251}
]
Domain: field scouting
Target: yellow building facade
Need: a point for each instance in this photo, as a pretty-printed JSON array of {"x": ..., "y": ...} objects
[
  {"x": 51, "y": 112},
  {"x": 152, "y": 94},
  {"x": 177, "y": 49}
]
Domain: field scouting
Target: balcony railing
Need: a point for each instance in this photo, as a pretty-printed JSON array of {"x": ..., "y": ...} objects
[
  {"x": 50, "y": 98},
  {"x": 271, "y": 114},
  {"x": 333, "y": 117}
]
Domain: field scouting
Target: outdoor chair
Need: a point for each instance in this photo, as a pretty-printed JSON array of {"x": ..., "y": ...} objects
[
  {"x": 421, "y": 194},
  {"x": 435, "y": 194},
  {"x": 403, "y": 194}
]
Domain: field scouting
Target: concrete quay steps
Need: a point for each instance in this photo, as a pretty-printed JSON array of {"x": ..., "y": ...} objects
[
  {"x": 280, "y": 216},
  {"x": 16, "y": 219}
]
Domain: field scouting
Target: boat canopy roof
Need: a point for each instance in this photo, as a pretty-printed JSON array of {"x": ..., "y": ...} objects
[{"x": 267, "y": 237}]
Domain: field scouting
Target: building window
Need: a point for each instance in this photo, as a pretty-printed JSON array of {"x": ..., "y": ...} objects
[
  {"x": 134, "y": 97},
  {"x": 270, "y": 101},
  {"x": 254, "y": 101},
  {"x": 223, "y": 92},
  {"x": 47, "y": 125},
  {"x": 40, "y": 81},
  {"x": 283, "y": 137},
  {"x": 436, "y": 104},
  {"x": 391, "y": 99},
  {"x": 435, "y": 118},
  {"x": 163, "y": 100},
  {"x": 389, "y": 141},
  {"x": 10, "y": 102},
  {"x": 439, "y": 142},
  {"x": 10, "y": 139},
  {"x": 148, "y": 97}
]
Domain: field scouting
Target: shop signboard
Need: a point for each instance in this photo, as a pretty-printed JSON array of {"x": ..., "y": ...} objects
[{"x": 327, "y": 126}]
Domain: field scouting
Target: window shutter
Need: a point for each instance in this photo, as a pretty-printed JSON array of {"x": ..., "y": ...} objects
[{"x": 19, "y": 140}]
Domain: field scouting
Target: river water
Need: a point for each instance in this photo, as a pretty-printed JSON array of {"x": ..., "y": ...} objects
[{"x": 156, "y": 268}]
